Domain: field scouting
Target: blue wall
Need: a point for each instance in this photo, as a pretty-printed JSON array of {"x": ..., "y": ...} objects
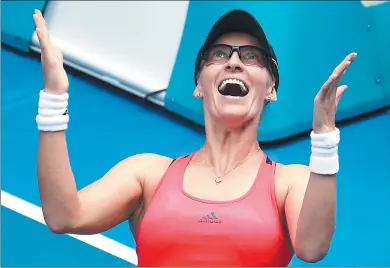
[
  {"x": 310, "y": 39},
  {"x": 17, "y": 25},
  {"x": 99, "y": 140}
]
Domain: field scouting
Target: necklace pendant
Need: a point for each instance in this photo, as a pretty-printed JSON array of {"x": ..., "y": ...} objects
[{"x": 218, "y": 180}]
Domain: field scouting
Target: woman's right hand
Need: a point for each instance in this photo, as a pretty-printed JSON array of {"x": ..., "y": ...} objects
[{"x": 54, "y": 75}]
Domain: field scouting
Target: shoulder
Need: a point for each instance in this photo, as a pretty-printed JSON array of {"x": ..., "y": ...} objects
[
  {"x": 292, "y": 174},
  {"x": 138, "y": 168},
  {"x": 291, "y": 169},
  {"x": 146, "y": 164},
  {"x": 151, "y": 169},
  {"x": 146, "y": 158}
]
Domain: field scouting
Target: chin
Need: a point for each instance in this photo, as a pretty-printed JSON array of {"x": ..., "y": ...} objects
[
  {"x": 233, "y": 112},
  {"x": 234, "y": 118}
]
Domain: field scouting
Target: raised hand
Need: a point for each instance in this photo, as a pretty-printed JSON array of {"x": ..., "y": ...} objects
[
  {"x": 55, "y": 78},
  {"x": 327, "y": 99}
]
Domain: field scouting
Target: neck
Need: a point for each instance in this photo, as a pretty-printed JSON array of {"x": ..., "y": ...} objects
[{"x": 226, "y": 147}]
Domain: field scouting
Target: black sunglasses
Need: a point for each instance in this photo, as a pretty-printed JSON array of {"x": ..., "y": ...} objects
[{"x": 249, "y": 55}]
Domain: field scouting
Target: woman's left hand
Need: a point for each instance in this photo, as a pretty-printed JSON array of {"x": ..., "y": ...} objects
[{"x": 327, "y": 99}]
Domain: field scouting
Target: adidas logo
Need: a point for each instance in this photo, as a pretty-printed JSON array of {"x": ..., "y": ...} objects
[{"x": 210, "y": 218}]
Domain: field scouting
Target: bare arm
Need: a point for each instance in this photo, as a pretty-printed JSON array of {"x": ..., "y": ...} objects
[
  {"x": 310, "y": 209},
  {"x": 310, "y": 205},
  {"x": 95, "y": 208},
  {"x": 99, "y": 206}
]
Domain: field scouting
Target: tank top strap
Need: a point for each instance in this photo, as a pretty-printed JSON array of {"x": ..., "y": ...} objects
[
  {"x": 174, "y": 173},
  {"x": 271, "y": 165},
  {"x": 266, "y": 175}
]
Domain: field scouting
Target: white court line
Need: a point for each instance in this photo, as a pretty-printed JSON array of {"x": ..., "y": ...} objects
[{"x": 99, "y": 241}]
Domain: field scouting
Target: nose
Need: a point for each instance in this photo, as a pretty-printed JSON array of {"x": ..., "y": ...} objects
[{"x": 234, "y": 63}]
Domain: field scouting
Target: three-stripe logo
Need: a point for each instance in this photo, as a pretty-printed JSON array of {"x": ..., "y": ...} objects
[{"x": 210, "y": 218}]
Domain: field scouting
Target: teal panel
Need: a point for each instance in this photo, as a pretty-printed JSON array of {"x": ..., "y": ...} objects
[
  {"x": 310, "y": 39},
  {"x": 17, "y": 25},
  {"x": 380, "y": 27}
]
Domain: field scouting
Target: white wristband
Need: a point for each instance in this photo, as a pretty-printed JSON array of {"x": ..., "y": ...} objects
[
  {"x": 52, "y": 112},
  {"x": 324, "y": 158}
]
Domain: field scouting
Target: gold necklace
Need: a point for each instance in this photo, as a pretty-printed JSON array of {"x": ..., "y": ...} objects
[{"x": 218, "y": 179}]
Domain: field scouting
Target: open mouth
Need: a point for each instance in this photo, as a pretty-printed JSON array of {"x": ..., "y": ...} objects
[{"x": 233, "y": 87}]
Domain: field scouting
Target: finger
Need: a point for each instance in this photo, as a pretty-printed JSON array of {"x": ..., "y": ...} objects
[
  {"x": 327, "y": 87},
  {"x": 332, "y": 90},
  {"x": 340, "y": 92},
  {"x": 345, "y": 63},
  {"x": 351, "y": 56},
  {"x": 42, "y": 32},
  {"x": 328, "y": 83},
  {"x": 338, "y": 72},
  {"x": 330, "y": 86}
]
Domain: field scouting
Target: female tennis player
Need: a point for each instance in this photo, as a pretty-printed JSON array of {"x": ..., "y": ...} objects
[{"x": 226, "y": 204}]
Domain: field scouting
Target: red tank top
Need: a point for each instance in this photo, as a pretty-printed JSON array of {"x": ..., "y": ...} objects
[{"x": 181, "y": 230}]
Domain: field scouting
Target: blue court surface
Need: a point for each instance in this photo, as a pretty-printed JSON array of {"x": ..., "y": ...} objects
[{"x": 106, "y": 127}]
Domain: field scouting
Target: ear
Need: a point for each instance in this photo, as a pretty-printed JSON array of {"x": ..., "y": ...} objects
[
  {"x": 271, "y": 93},
  {"x": 198, "y": 92}
]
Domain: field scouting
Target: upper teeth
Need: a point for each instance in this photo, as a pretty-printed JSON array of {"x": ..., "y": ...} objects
[{"x": 233, "y": 81}]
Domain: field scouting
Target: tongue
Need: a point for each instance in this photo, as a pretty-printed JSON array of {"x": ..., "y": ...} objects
[{"x": 232, "y": 90}]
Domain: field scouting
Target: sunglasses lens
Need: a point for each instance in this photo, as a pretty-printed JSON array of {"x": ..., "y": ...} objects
[
  {"x": 252, "y": 56},
  {"x": 218, "y": 54}
]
